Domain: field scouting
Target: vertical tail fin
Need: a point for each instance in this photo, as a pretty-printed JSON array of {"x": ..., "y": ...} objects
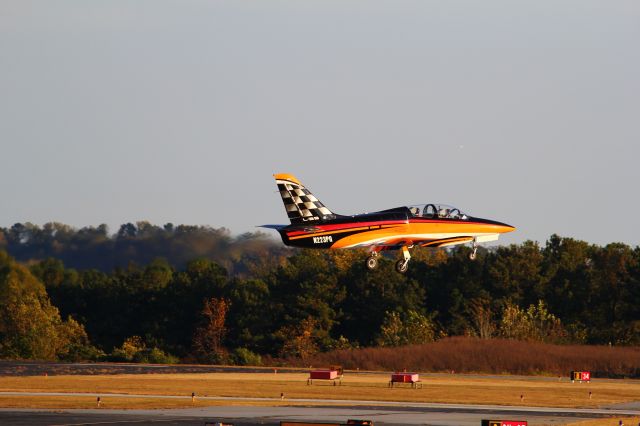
[{"x": 301, "y": 205}]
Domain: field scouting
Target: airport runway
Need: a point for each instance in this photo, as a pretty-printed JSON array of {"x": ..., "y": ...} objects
[
  {"x": 382, "y": 413},
  {"x": 241, "y": 416}
]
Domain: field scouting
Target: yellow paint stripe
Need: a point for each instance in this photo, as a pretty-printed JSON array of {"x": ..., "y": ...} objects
[
  {"x": 286, "y": 176},
  {"x": 447, "y": 241}
]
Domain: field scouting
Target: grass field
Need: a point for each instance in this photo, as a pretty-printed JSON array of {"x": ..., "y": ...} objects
[
  {"x": 613, "y": 421},
  {"x": 363, "y": 387},
  {"x": 493, "y": 356}
]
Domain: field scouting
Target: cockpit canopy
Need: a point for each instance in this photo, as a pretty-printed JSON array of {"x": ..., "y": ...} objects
[{"x": 439, "y": 211}]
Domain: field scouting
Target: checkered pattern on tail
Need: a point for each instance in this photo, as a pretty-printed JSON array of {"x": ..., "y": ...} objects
[{"x": 301, "y": 205}]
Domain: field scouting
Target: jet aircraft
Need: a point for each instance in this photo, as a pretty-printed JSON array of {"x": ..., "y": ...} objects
[{"x": 313, "y": 225}]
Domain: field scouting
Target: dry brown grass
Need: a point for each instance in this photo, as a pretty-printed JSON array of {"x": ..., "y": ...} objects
[
  {"x": 118, "y": 402},
  {"x": 612, "y": 421},
  {"x": 454, "y": 389},
  {"x": 65, "y": 402},
  {"x": 499, "y": 356}
]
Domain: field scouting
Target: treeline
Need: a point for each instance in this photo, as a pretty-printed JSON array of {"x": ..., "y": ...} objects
[
  {"x": 567, "y": 292},
  {"x": 140, "y": 243}
]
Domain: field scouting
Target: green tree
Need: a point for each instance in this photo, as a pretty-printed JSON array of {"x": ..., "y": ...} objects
[
  {"x": 515, "y": 273},
  {"x": 307, "y": 286},
  {"x": 157, "y": 275},
  {"x": 250, "y": 318},
  {"x": 616, "y": 283},
  {"x": 370, "y": 295},
  {"x": 413, "y": 329},
  {"x": 243, "y": 356},
  {"x": 30, "y": 327},
  {"x": 534, "y": 323},
  {"x": 129, "y": 348}
]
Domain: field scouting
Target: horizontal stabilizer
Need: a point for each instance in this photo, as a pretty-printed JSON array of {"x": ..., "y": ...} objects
[{"x": 276, "y": 227}]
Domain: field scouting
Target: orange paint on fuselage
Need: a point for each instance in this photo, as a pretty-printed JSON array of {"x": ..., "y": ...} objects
[{"x": 422, "y": 230}]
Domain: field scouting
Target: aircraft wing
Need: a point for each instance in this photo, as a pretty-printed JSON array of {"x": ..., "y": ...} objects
[
  {"x": 447, "y": 242},
  {"x": 396, "y": 243},
  {"x": 454, "y": 241}
]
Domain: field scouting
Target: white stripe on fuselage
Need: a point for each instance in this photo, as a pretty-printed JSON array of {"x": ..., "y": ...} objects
[{"x": 420, "y": 237}]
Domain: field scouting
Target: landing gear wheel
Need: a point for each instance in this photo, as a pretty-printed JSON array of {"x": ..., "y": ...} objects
[
  {"x": 474, "y": 249},
  {"x": 372, "y": 262},
  {"x": 402, "y": 266}
]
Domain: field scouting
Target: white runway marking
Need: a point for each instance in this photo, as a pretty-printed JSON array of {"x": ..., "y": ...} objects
[{"x": 353, "y": 403}]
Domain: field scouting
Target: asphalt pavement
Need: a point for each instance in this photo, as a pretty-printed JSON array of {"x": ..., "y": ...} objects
[{"x": 382, "y": 413}]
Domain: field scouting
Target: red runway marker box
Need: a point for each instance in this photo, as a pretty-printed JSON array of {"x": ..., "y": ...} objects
[
  {"x": 323, "y": 374},
  {"x": 404, "y": 377}
]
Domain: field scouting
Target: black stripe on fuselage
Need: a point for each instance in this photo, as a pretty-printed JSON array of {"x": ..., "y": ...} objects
[{"x": 315, "y": 239}]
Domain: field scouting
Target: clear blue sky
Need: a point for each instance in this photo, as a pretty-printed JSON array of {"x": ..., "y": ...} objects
[{"x": 181, "y": 111}]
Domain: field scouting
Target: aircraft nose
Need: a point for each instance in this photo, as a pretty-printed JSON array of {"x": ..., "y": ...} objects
[
  {"x": 495, "y": 226},
  {"x": 503, "y": 228},
  {"x": 508, "y": 228}
]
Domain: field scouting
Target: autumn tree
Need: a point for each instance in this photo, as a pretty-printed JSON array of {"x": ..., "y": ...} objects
[
  {"x": 482, "y": 318},
  {"x": 298, "y": 340},
  {"x": 208, "y": 338}
]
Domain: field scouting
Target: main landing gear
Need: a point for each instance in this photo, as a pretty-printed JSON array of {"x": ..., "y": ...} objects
[
  {"x": 372, "y": 261},
  {"x": 402, "y": 265}
]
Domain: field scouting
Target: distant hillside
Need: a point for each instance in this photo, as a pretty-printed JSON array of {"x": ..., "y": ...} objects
[{"x": 139, "y": 243}]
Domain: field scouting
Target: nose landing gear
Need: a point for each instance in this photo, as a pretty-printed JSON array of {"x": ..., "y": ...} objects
[
  {"x": 402, "y": 265},
  {"x": 474, "y": 249}
]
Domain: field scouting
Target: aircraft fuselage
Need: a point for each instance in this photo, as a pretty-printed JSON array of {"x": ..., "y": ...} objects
[{"x": 395, "y": 228}]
